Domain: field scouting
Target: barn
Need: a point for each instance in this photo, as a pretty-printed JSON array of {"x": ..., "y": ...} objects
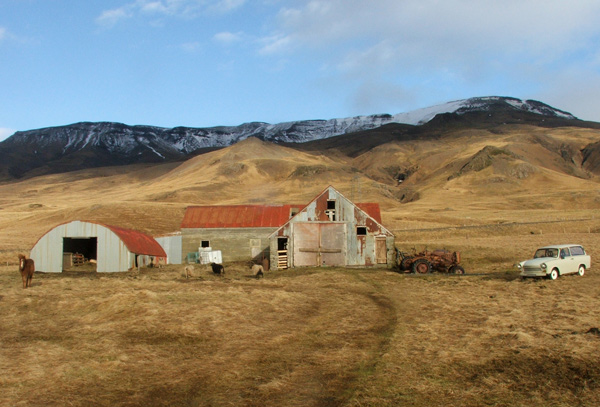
[
  {"x": 349, "y": 234},
  {"x": 110, "y": 248},
  {"x": 333, "y": 231}
]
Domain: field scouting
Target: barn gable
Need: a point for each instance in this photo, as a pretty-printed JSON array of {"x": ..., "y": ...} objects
[{"x": 332, "y": 231}]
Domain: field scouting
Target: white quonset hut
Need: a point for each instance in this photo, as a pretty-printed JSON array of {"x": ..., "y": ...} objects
[{"x": 111, "y": 247}]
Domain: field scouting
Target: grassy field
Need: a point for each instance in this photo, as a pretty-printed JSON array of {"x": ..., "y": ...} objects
[{"x": 310, "y": 337}]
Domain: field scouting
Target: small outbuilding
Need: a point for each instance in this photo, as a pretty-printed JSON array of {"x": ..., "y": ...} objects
[{"x": 109, "y": 248}]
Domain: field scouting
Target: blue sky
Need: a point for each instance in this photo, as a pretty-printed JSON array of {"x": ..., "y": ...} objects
[{"x": 202, "y": 63}]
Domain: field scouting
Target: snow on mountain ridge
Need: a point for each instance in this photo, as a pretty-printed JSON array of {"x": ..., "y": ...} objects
[{"x": 163, "y": 143}]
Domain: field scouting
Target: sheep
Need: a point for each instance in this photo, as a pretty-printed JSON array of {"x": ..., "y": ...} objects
[
  {"x": 217, "y": 268},
  {"x": 188, "y": 270},
  {"x": 258, "y": 271}
]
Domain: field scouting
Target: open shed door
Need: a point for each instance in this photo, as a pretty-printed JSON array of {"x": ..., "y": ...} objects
[{"x": 319, "y": 244}]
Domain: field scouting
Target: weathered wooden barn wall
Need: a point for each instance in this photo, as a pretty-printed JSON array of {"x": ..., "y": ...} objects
[
  {"x": 236, "y": 244},
  {"x": 332, "y": 230}
]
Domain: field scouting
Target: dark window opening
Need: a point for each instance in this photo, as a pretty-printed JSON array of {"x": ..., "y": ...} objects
[
  {"x": 331, "y": 204},
  {"x": 361, "y": 231},
  {"x": 282, "y": 243},
  {"x": 205, "y": 243}
]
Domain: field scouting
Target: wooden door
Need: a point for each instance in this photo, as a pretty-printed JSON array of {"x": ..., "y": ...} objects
[{"x": 381, "y": 250}]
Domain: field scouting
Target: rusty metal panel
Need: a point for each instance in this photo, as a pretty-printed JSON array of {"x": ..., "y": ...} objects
[
  {"x": 333, "y": 239},
  {"x": 317, "y": 244},
  {"x": 306, "y": 244}
]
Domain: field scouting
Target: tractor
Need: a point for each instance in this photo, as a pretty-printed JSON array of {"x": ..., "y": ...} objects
[{"x": 426, "y": 261}]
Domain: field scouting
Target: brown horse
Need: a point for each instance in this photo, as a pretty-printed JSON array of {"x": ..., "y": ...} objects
[{"x": 26, "y": 267}]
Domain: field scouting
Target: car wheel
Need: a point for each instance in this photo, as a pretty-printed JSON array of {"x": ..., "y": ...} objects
[
  {"x": 581, "y": 270},
  {"x": 421, "y": 266},
  {"x": 553, "y": 274}
]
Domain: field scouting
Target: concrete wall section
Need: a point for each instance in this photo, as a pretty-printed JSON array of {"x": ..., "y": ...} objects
[{"x": 236, "y": 244}]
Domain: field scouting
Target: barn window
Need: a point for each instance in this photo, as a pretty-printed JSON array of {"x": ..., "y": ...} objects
[
  {"x": 205, "y": 243},
  {"x": 330, "y": 212},
  {"x": 361, "y": 231}
]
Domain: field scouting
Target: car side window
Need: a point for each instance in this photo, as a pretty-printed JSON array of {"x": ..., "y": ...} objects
[
  {"x": 577, "y": 251},
  {"x": 564, "y": 253}
]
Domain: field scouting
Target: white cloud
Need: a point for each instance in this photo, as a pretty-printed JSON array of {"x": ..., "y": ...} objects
[
  {"x": 167, "y": 8},
  {"x": 5, "y": 133},
  {"x": 109, "y": 18},
  {"x": 479, "y": 45},
  {"x": 227, "y": 37},
  {"x": 275, "y": 44}
]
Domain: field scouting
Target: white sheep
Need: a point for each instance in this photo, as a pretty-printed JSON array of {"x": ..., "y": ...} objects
[
  {"x": 188, "y": 270},
  {"x": 258, "y": 271}
]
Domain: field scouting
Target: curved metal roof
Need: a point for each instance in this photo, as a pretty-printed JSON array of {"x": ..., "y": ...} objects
[{"x": 135, "y": 241}]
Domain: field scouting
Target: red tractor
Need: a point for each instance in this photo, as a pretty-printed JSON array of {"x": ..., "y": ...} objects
[{"x": 425, "y": 262}]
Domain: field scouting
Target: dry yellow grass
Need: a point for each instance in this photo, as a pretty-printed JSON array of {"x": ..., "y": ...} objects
[{"x": 305, "y": 337}]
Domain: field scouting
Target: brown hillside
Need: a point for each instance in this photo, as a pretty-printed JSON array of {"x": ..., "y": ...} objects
[{"x": 463, "y": 173}]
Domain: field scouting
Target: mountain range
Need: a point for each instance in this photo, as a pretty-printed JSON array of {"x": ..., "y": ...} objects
[{"x": 90, "y": 145}]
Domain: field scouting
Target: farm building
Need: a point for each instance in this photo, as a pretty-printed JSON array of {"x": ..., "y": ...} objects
[
  {"x": 348, "y": 234},
  {"x": 109, "y": 248},
  {"x": 333, "y": 231},
  {"x": 240, "y": 232}
]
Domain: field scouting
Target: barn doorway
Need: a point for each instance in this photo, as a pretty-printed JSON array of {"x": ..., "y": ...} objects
[
  {"x": 80, "y": 253},
  {"x": 282, "y": 252},
  {"x": 319, "y": 244}
]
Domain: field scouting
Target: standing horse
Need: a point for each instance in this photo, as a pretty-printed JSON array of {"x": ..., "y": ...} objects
[{"x": 26, "y": 267}]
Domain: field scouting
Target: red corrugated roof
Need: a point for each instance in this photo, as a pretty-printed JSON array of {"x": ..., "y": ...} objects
[
  {"x": 237, "y": 216},
  {"x": 251, "y": 216},
  {"x": 372, "y": 209},
  {"x": 138, "y": 242}
]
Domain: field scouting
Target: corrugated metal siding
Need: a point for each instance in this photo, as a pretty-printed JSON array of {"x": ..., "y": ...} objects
[
  {"x": 113, "y": 254},
  {"x": 236, "y": 216},
  {"x": 172, "y": 246}
]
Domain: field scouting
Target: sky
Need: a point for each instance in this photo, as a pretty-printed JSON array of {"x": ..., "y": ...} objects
[{"x": 203, "y": 63}]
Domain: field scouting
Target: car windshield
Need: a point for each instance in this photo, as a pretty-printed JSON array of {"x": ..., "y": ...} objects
[{"x": 545, "y": 253}]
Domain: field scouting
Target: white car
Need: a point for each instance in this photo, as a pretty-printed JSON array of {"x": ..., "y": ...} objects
[{"x": 556, "y": 260}]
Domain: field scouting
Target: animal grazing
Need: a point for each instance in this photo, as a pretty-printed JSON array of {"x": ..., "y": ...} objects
[
  {"x": 258, "y": 271},
  {"x": 27, "y": 268},
  {"x": 217, "y": 268},
  {"x": 189, "y": 270}
]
